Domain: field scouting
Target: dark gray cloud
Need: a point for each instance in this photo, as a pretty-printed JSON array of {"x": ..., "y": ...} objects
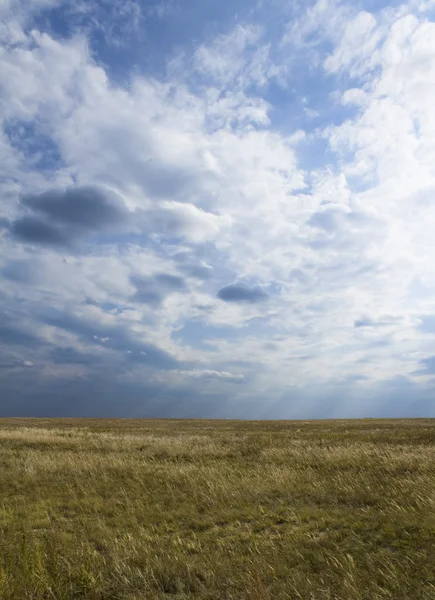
[
  {"x": 87, "y": 207},
  {"x": 22, "y": 271},
  {"x": 7, "y": 365},
  {"x": 60, "y": 217},
  {"x": 12, "y": 334},
  {"x": 112, "y": 337},
  {"x": 26, "y": 393},
  {"x": 238, "y": 292},
  {"x": 68, "y": 355},
  {"x": 35, "y": 231},
  {"x": 153, "y": 290}
]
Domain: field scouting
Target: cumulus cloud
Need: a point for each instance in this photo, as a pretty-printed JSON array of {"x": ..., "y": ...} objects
[
  {"x": 35, "y": 231},
  {"x": 294, "y": 153},
  {"x": 85, "y": 207},
  {"x": 184, "y": 220},
  {"x": 60, "y": 217}
]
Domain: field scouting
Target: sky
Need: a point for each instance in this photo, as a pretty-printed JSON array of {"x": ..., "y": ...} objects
[{"x": 220, "y": 209}]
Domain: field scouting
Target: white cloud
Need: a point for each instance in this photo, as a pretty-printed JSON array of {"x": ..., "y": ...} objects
[
  {"x": 239, "y": 59},
  {"x": 325, "y": 19},
  {"x": 220, "y": 193},
  {"x": 358, "y": 48},
  {"x": 208, "y": 374},
  {"x": 186, "y": 221},
  {"x": 225, "y": 58}
]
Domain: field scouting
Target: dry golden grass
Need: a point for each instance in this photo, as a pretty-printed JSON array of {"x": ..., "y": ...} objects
[{"x": 220, "y": 510}]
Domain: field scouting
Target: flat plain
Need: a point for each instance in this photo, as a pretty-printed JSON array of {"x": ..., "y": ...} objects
[{"x": 218, "y": 510}]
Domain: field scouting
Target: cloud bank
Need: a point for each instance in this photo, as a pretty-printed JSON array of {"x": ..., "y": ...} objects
[{"x": 247, "y": 199}]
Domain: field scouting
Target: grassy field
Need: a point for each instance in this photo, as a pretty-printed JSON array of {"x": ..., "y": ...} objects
[{"x": 129, "y": 509}]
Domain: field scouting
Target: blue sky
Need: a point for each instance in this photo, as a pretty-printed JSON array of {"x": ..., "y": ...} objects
[{"x": 217, "y": 209}]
